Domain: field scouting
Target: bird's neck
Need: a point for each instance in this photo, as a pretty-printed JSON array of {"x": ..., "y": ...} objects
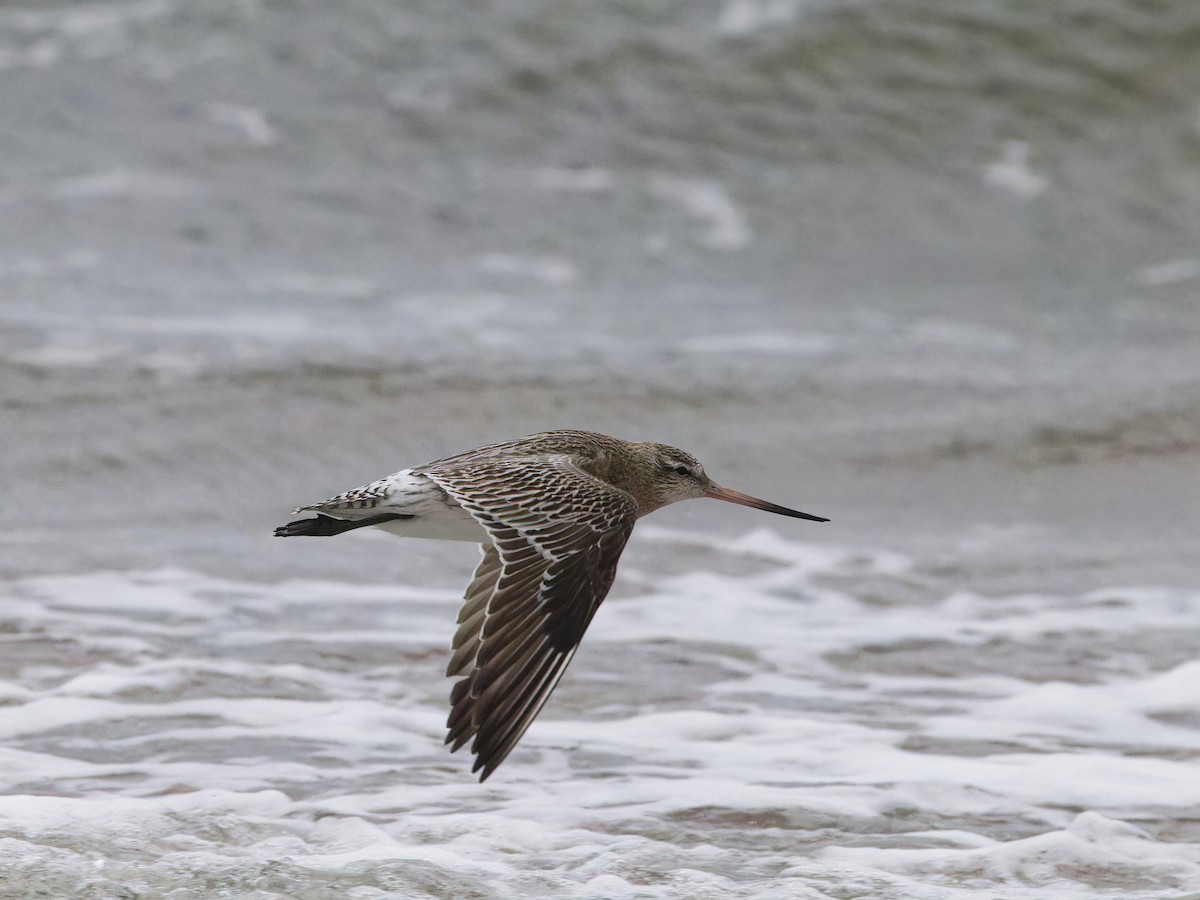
[{"x": 631, "y": 471}]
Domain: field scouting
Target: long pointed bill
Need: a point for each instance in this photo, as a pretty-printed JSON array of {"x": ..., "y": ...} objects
[{"x": 723, "y": 493}]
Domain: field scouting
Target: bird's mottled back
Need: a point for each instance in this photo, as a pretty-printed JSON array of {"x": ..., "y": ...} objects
[
  {"x": 585, "y": 444},
  {"x": 654, "y": 474}
]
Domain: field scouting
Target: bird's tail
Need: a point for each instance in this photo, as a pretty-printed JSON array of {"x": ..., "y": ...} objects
[{"x": 324, "y": 526}]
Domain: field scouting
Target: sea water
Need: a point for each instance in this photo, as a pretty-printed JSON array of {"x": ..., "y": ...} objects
[
  {"x": 929, "y": 270},
  {"x": 767, "y": 733}
]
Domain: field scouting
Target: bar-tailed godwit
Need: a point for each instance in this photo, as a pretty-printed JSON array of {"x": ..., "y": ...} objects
[{"x": 553, "y": 512}]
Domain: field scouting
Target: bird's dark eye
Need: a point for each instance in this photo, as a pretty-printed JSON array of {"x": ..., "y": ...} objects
[{"x": 682, "y": 470}]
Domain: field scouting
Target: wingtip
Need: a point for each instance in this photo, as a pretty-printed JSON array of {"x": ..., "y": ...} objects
[{"x": 488, "y": 768}]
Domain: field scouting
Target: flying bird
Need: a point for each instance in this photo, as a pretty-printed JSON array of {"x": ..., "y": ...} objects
[{"x": 552, "y": 512}]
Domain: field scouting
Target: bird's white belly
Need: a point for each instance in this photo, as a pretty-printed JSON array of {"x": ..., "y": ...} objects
[
  {"x": 453, "y": 524},
  {"x": 433, "y": 513}
]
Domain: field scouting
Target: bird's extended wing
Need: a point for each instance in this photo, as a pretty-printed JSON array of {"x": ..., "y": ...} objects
[{"x": 557, "y": 533}]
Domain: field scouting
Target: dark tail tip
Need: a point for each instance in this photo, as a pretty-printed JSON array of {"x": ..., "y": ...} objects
[
  {"x": 324, "y": 526},
  {"x": 321, "y": 526}
]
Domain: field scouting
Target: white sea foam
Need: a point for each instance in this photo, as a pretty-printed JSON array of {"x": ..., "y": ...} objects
[
  {"x": 38, "y": 55},
  {"x": 122, "y": 183},
  {"x": 725, "y": 225},
  {"x": 760, "y": 343},
  {"x": 83, "y": 22},
  {"x": 1172, "y": 272},
  {"x": 718, "y": 736},
  {"x": 28, "y": 266},
  {"x": 743, "y": 17},
  {"x": 554, "y": 270},
  {"x": 1012, "y": 173},
  {"x": 249, "y": 122}
]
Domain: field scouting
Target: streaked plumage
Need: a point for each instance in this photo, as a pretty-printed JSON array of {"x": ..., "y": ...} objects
[{"x": 552, "y": 512}]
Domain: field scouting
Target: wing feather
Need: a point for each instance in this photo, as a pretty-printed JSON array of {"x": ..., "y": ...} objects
[
  {"x": 473, "y": 611},
  {"x": 557, "y": 533}
]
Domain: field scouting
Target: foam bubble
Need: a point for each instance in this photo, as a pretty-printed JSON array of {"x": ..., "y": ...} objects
[{"x": 707, "y": 202}]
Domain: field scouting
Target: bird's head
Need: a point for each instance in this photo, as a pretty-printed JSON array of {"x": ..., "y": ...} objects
[
  {"x": 674, "y": 475},
  {"x": 677, "y": 475}
]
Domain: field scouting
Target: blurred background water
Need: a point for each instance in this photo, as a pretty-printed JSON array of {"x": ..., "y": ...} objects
[{"x": 930, "y": 269}]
